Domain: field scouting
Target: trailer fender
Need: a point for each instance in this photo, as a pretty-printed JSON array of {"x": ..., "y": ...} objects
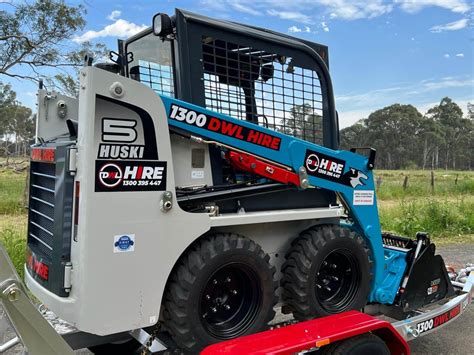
[{"x": 312, "y": 334}]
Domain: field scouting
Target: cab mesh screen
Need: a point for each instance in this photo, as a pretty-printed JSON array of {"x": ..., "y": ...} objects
[{"x": 262, "y": 87}]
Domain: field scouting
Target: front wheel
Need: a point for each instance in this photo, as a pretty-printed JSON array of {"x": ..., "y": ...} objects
[
  {"x": 222, "y": 288},
  {"x": 327, "y": 271}
]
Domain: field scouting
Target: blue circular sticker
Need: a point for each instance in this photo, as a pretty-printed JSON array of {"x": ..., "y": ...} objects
[{"x": 124, "y": 242}]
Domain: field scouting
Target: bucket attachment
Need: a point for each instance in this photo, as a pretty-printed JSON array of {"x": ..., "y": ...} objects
[{"x": 427, "y": 280}]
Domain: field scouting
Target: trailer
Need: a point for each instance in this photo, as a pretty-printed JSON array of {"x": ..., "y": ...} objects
[
  {"x": 196, "y": 184},
  {"x": 349, "y": 331}
]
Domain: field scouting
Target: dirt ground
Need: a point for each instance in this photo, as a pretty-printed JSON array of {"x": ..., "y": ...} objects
[{"x": 454, "y": 339}]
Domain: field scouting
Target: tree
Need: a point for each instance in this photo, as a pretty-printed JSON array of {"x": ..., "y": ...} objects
[
  {"x": 7, "y": 103},
  {"x": 470, "y": 111},
  {"x": 392, "y": 131},
  {"x": 303, "y": 123},
  {"x": 450, "y": 116},
  {"x": 35, "y": 35},
  {"x": 354, "y": 136},
  {"x": 17, "y": 124}
]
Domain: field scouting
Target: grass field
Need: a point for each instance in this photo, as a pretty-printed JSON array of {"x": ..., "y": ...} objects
[{"x": 446, "y": 212}]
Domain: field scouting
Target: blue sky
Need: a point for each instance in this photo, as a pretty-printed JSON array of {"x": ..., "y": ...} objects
[{"x": 381, "y": 52}]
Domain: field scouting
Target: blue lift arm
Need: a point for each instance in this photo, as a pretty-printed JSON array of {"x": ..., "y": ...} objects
[{"x": 344, "y": 172}]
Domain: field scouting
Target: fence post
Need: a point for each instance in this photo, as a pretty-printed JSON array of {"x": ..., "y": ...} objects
[
  {"x": 405, "y": 183},
  {"x": 378, "y": 182},
  {"x": 432, "y": 180}
]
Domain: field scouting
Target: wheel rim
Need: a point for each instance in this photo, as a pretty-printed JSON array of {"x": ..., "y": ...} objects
[
  {"x": 337, "y": 281},
  {"x": 230, "y": 301}
]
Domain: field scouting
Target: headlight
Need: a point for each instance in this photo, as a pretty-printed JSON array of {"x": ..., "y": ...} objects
[{"x": 162, "y": 25}]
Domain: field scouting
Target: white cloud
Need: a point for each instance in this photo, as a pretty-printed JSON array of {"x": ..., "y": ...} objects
[
  {"x": 355, "y": 9},
  {"x": 291, "y": 15},
  {"x": 452, "y": 26},
  {"x": 354, "y": 106},
  {"x": 324, "y": 26},
  {"x": 310, "y": 11},
  {"x": 414, "y": 6},
  {"x": 446, "y": 55},
  {"x": 460, "y": 55},
  {"x": 296, "y": 29},
  {"x": 445, "y": 83},
  {"x": 120, "y": 28},
  {"x": 245, "y": 9},
  {"x": 348, "y": 118},
  {"x": 114, "y": 15}
]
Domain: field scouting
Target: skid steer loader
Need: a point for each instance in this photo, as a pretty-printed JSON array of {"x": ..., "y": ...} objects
[{"x": 196, "y": 183}]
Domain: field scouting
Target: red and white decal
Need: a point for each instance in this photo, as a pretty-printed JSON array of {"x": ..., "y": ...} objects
[
  {"x": 438, "y": 320},
  {"x": 43, "y": 154},
  {"x": 226, "y": 128},
  {"x": 37, "y": 267}
]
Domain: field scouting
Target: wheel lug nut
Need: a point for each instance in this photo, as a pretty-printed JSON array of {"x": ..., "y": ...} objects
[
  {"x": 333, "y": 266},
  {"x": 208, "y": 297},
  {"x": 227, "y": 307},
  {"x": 228, "y": 279},
  {"x": 214, "y": 282},
  {"x": 234, "y": 292},
  {"x": 327, "y": 288},
  {"x": 204, "y": 315},
  {"x": 214, "y": 309}
]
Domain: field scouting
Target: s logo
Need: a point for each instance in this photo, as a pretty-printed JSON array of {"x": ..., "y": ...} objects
[{"x": 118, "y": 130}]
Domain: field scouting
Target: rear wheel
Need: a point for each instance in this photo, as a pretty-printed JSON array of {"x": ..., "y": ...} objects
[
  {"x": 222, "y": 288},
  {"x": 327, "y": 271}
]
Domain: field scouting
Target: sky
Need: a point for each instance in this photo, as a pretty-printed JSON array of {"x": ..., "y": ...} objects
[{"x": 381, "y": 52}]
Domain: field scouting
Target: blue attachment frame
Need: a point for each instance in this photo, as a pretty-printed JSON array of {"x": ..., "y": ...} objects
[{"x": 296, "y": 153}]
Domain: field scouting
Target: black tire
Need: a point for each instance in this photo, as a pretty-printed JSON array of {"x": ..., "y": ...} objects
[
  {"x": 359, "y": 345},
  {"x": 219, "y": 271},
  {"x": 327, "y": 271}
]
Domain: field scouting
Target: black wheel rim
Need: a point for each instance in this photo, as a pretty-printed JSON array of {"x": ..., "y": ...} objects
[
  {"x": 230, "y": 301},
  {"x": 337, "y": 281}
]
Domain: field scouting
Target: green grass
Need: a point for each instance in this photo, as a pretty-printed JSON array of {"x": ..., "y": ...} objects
[
  {"x": 446, "y": 220},
  {"x": 12, "y": 186},
  {"x": 13, "y": 238},
  {"x": 447, "y": 213},
  {"x": 419, "y": 184}
]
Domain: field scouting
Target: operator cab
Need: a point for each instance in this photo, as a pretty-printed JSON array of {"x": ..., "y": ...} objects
[{"x": 270, "y": 79}]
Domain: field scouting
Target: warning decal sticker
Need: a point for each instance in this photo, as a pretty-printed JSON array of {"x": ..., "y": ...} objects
[{"x": 363, "y": 197}]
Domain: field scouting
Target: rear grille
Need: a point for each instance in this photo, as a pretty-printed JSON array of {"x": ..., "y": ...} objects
[
  {"x": 50, "y": 216},
  {"x": 42, "y": 192}
]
